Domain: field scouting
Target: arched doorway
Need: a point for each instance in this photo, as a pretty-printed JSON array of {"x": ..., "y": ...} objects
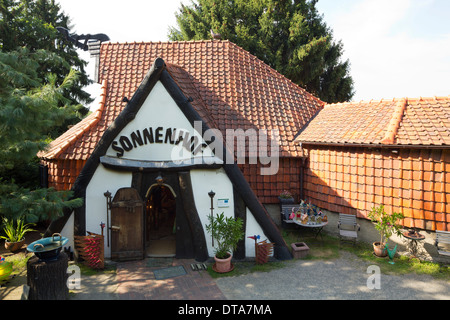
[
  {"x": 160, "y": 214},
  {"x": 190, "y": 241}
]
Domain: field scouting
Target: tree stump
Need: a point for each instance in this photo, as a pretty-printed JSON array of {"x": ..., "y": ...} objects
[{"x": 48, "y": 279}]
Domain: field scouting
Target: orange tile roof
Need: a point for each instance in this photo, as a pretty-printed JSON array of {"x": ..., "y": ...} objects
[
  {"x": 230, "y": 88},
  {"x": 414, "y": 122}
]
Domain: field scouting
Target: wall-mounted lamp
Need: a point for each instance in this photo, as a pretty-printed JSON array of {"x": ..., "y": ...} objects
[
  {"x": 108, "y": 197},
  {"x": 211, "y": 194}
]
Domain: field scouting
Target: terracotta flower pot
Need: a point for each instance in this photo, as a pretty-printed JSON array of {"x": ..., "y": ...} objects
[
  {"x": 14, "y": 246},
  {"x": 380, "y": 250},
  {"x": 223, "y": 265}
]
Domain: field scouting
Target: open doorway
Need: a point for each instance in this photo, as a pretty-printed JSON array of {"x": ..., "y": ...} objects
[{"x": 160, "y": 221}]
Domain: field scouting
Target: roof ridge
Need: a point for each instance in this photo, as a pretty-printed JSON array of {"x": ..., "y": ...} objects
[
  {"x": 168, "y": 41},
  {"x": 394, "y": 123},
  {"x": 371, "y": 101}
]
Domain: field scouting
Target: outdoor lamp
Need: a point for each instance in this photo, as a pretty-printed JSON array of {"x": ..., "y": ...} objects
[{"x": 211, "y": 194}]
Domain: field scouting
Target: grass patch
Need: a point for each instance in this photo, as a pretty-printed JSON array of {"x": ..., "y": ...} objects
[
  {"x": 19, "y": 261},
  {"x": 87, "y": 271},
  {"x": 405, "y": 265},
  {"x": 321, "y": 247},
  {"x": 329, "y": 247}
]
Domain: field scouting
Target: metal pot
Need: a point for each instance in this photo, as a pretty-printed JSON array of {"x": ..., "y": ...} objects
[{"x": 48, "y": 249}]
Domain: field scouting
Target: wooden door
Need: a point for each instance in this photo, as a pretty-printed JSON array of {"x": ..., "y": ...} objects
[{"x": 127, "y": 225}]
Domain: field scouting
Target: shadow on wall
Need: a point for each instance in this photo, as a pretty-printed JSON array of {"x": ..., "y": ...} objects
[{"x": 353, "y": 180}]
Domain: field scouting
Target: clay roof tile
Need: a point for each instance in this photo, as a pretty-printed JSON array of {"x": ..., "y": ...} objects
[
  {"x": 406, "y": 121},
  {"x": 231, "y": 89}
]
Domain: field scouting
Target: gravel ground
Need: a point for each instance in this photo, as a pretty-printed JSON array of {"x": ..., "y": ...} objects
[{"x": 346, "y": 278}]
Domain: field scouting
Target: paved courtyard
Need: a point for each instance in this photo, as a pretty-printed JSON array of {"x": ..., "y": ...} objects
[{"x": 345, "y": 278}]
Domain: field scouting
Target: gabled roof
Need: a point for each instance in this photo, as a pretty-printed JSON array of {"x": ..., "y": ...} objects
[
  {"x": 230, "y": 88},
  {"x": 160, "y": 72},
  {"x": 397, "y": 122}
]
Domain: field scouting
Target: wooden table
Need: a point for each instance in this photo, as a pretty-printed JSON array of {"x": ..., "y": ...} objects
[
  {"x": 313, "y": 226},
  {"x": 414, "y": 238}
]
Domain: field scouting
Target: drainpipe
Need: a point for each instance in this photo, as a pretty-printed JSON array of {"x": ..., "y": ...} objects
[
  {"x": 302, "y": 195},
  {"x": 302, "y": 172}
]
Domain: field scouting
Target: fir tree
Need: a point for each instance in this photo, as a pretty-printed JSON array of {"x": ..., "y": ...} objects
[
  {"x": 29, "y": 108},
  {"x": 28, "y": 28},
  {"x": 290, "y": 36},
  {"x": 32, "y": 24}
]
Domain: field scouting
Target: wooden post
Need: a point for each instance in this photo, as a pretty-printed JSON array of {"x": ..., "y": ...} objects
[{"x": 48, "y": 279}]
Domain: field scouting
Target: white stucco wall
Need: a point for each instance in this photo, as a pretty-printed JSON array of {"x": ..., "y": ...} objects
[
  {"x": 102, "y": 181},
  {"x": 204, "y": 181},
  {"x": 252, "y": 229},
  {"x": 67, "y": 232},
  {"x": 158, "y": 111}
]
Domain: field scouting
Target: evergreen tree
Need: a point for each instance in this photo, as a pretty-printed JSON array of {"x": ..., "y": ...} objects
[
  {"x": 32, "y": 24},
  {"x": 288, "y": 35},
  {"x": 28, "y": 28},
  {"x": 29, "y": 108}
]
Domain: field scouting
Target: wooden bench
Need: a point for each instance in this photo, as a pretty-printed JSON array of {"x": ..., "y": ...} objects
[
  {"x": 443, "y": 239},
  {"x": 348, "y": 228}
]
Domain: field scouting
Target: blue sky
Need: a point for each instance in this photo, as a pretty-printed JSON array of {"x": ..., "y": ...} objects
[{"x": 397, "y": 48}]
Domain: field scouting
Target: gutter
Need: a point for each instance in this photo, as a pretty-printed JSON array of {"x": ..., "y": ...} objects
[{"x": 366, "y": 145}]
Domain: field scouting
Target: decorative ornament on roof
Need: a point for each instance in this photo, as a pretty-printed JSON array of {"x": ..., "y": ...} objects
[{"x": 74, "y": 38}]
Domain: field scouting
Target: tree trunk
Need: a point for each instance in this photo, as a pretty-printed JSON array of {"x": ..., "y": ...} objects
[{"x": 48, "y": 279}]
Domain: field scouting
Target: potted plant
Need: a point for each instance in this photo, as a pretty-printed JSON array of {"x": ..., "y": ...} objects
[
  {"x": 387, "y": 225},
  {"x": 15, "y": 233},
  {"x": 226, "y": 232},
  {"x": 286, "y": 197}
]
